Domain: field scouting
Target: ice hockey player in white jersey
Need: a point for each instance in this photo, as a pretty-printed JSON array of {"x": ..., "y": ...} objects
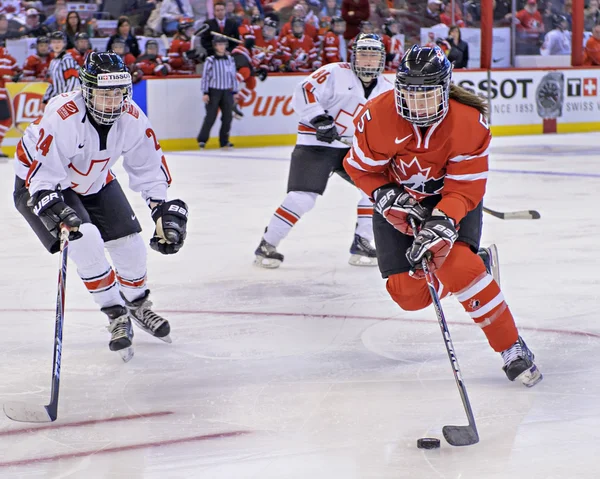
[
  {"x": 327, "y": 102},
  {"x": 558, "y": 40},
  {"x": 64, "y": 179}
]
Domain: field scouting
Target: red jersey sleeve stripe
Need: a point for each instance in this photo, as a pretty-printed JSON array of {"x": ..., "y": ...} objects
[{"x": 360, "y": 156}]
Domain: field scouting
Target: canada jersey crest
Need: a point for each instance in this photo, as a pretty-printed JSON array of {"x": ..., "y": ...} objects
[{"x": 418, "y": 181}]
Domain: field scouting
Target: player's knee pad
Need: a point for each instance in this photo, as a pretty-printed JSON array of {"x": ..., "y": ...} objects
[
  {"x": 461, "y": 268},
  {"x": 409, "y": 293},
  {"x": 129, "y": 256},
  {"x": 300, "y": 202},
  {"x": 87, "y": 252}
]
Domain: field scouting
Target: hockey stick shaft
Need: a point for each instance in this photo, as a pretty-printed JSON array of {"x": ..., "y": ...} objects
[
  {"x": 514, "y": 215},
  {"x": 36, "y": 413}
]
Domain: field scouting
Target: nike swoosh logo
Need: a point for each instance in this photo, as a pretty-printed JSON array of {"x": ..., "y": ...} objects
[
  {"x": 81, "y": 146},
  {"x": 133, "y": 218},
  {"x": 350, "y": 87},
  {"x": 397, "y": 141},
  {"x": 496, "y": 60}
]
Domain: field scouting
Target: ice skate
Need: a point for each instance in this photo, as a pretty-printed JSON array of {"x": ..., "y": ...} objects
[
  {"x": 267, "y": 256},
  {"x": 237, "y": 112},
  {"x": 148, "y": 320},
  {"x": 121, "y": 332},
  {"x": 518, "y": 364},
  {"x": 362, "y": 252},
  {"x": 489, "y": 257}
]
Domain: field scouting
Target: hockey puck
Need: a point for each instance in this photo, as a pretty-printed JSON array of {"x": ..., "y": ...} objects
[{"x": 428, "y": 443}]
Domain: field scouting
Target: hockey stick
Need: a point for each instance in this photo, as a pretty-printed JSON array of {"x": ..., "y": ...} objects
[
  {"x": 454, "y": 435},
  {"x": 24, "y": 412},
  {"x": 514, "y": 215}
]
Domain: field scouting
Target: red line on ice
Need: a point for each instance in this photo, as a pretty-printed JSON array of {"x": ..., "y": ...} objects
[
  {"x": 310, "y": 315},
  {"x": 117, "y": 449},
  {"x": 89, "y": 422}
]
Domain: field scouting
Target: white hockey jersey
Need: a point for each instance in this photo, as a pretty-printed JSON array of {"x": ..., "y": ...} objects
[
  {"x": 334, "y": 90},
  {"x": 63, "y": 148},
  {"x": 556, "y": 42}
]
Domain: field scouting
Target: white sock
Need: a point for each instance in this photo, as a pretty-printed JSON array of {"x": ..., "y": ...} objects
[
  {"x": 364, "y": 215},
  {"x": 294, "y": 206}
]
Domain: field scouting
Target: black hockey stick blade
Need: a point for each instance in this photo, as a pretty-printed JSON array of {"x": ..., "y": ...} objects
[
  {"x": 460, "y": 435},
  {"x": 24, "y": 412},
  {"x": 514, "y": 215}
]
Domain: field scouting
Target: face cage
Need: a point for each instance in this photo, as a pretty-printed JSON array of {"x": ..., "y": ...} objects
[
  {"x": 367, "y": 73},
  {"x": 269, "y": 31},
  {"x": 92, "y": 94},
  {"x": 422, "y": 105}
]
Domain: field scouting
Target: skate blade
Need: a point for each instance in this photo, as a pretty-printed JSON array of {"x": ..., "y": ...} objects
[
  {"x": 495, "y": 265},
  {"x": 126, "y": 354},
  {"x": 267, "y": 263},
  {"x": 530, "y": 377},
  {"x": 166, "y": 339},
  {"x": 360, "y": 260}
]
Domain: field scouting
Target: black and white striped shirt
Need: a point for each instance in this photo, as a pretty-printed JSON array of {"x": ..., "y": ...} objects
[
  {"x": 219, "y": 73},
  {"x": 64, "y": 76}
]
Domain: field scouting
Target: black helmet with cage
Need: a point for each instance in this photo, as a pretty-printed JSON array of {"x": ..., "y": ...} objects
[
  {"x": 368, "y": 56},
  {"x": 44, "y": 42},
  {"x": 82, "y": 42},
  {"x": 366, "y": 27},
  {"x": 422, "y": 86},
  {"x": 391, "y": 27},
  {"x": 106, "y": 86},
  {"x": 185, "y": 26},
  {"x": 298, "y": 27},
  {"x": 338, "y": 25}
]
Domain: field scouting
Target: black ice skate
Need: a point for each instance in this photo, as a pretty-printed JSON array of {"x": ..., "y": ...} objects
[
  {"x": 148, "y": 320},
  {"x": 489, "y": 256},
  {"x": 121, "y": 332},
  {"x": 518, "y": 364},
  {"x": 237, "y": 112},
  {"x": 362, "y": 252},
  {"x": 267, "y": 256}
]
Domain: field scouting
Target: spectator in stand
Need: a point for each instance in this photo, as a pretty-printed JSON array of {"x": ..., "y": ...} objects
[
  {"x": 456, "y": 42},
  {"x": 334, "y": 43},
  {"x": 33, "y": 26},
  {"x": 182, "y": 57},
  {"x": 36, "y": 65},
  {"x": 557, "y": 40},
  {"x": 432, "y": 14},
  {"x": 11, "y": 7},
  {"x": 331, "y": 9},
  {"x": 81, "y": 49},
  {"x": 172, "y": 11},
  {"x": 446, "y": 15},
  {"x": 58, "y": 19},
  {"x": 378, "y": 13},
  {"x": 502, "y": 13},
  {"x": 124, "y": 33},
  {"x": 354, "y": 12},
  {"x": 234, "y": 12},
  {"x": 592, "y": 15},
  {"x": 8, "y": 69},
  {"x": 530, "y": 28},
  {"x": 300, "y": 48},
  {"x": 222, "y": 25},
  {"x": 7, "y": 33},
  {"x": 591, "y": 52},
  {"x": 73, "y": 26}
]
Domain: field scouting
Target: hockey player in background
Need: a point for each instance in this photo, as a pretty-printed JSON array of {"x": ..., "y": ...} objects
[
  {"x": 300, "y": 49},
  {"x": 558, "y": 40},
  {"x": 8, "y": 71},
  {"x": 133, "y": 65},
  {"x": 393, "y": 41},
  {"x": 248, "y": 70},
  {"x": 81, "y": 49},
  {"x": 64, "y": 179},
  {"x": 322, "y": 101},
  {"x": 334, "y": 44},
  {"x": 36, "y": 65},
  {"x": 63, "y": 71},
  {"x": 421, "y": 152},
  {"x": 183, "y": 57}
]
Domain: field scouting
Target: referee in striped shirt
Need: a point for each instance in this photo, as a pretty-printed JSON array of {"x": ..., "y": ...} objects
[
  {"x": 63, "y": 70},
  {"x": 220, "y": 87}
]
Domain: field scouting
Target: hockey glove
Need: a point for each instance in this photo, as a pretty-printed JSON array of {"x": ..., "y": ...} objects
[
  {"x": 398, "y": 207},
  {"x": 433, "y": 243},
  {"x": 261, "y": 74},
  {"x": 171, "y": 226},
  {"x": 191, "y": 55},
  {"x": 325, "y": 126},
  {"x": 50, "y": 207}
]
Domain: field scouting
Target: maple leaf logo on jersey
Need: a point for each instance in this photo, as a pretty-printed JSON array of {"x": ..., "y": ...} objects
[{"x": 417, "y": 180}]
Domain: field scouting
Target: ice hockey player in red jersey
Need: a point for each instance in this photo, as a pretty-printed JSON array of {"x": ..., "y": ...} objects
[
  {"x": 327, "y": 102},
  {"x": 393, "y": 41},
  {"x": 334, "y": 44},
  {"x": 82, "y": 48},
  {"x": 300, "y": 48},
  {"x": 248, "y": 70},
  {"x": 183, "y": 58},
  {"x": 64, "y": 180},
  {"x": 36, "y": 65},
  {"x": 120, "y": 48},
  {"x": 421, "y": 153},
  {"x": 151, "y": 63},
  {"x": 8, "y": 70}
]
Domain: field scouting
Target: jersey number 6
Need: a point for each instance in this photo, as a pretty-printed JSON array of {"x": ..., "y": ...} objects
[{"x": 366, "y": 116}]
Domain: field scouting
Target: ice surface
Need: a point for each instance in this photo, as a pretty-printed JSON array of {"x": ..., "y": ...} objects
[{"x": 311, "y": 371}]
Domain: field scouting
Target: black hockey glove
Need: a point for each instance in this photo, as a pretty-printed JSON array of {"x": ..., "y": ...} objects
[
  {"x": 398, "y": 208},
  {"x": 50, "y": 207},
  {"x": 171, "y": 226},
  {"x": 261, "y": 74},
  {"x": 325, "y": 126},
  {"x": 191, "y": 55},
  {"x": 433, "y": 242}
]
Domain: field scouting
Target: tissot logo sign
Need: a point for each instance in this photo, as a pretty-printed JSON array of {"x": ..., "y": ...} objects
[{"x": 582, "y": 87}]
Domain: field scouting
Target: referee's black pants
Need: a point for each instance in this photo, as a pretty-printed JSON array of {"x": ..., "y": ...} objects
[{"x": 222, "y": 99}]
